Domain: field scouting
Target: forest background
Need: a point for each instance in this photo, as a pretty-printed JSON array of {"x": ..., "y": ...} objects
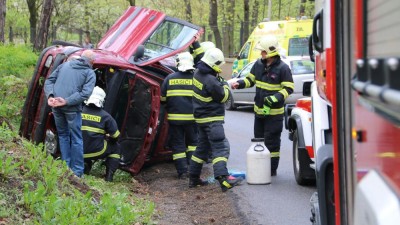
[{"x": 227, "y": 23}]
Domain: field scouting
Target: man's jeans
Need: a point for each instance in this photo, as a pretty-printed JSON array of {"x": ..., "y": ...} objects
[{"x": 70, "y": 137}]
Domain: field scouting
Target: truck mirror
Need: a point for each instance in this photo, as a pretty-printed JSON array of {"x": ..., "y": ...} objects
[{"x": 307, "y": 88}]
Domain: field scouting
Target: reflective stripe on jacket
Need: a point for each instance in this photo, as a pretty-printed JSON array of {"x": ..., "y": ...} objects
[
  {"x": 96, "y": 123},
  {"x": 209, "y": 95},
  {"x": 177, "y": 93},
  {"x": 275, "y": 79}
]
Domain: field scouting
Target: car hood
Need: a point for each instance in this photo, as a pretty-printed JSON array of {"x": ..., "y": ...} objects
[{"x": 138, "y": 26}]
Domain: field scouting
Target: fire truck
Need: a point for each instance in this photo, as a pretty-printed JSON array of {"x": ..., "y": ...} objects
[{"x": 355, "y": 104}]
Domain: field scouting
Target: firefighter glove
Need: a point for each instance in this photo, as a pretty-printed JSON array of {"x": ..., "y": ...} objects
[
  {"x": 270, "y": 100},
  {"x": 221, "y": 79},
  {"x": 266, "y": 110}
]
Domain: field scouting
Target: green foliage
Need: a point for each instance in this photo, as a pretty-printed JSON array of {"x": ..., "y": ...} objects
[
  {"x": 17, "y": 60},
  {"x": 17, "y": 65},
  {"x": 44, "y": 191},
  {"x": 7, "y": 165}
]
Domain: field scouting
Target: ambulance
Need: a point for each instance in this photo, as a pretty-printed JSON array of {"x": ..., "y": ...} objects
[{"x": 292, "y": 35}]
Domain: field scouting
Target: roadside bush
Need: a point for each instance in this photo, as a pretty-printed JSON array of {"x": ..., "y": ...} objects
[
  {"x": 17, "y": 65},
  {"x": 17, "y": 60}
]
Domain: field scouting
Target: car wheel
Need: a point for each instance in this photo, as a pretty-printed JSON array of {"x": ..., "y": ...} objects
[
  {"x": 303, "y": 174},
  {"x": 51, "y": 143},
  {"x": 230, "y": 104}
]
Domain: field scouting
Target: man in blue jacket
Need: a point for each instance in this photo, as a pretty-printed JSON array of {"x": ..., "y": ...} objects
[{"x": 66, "y": 89}]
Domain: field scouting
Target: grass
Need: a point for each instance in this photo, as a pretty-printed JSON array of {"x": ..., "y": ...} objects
[{"x": 36, "y": 189}]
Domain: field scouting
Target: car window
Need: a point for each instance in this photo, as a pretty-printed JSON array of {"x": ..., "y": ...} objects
[
  {"x": 168, "y": 37},
  {"x": 244, "y": 54},
  {"x": 301, "y": 66},
  {"x": 246, "y": 70},
  {"x": 298, "y": 46}
]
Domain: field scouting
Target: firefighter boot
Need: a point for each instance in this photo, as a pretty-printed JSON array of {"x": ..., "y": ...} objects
[
  {"x": 112, "y": 165},
  {"x": 88, "y": 166},
  {"x": 196, "y": 181},
  {"x": 228, "y": 182}
]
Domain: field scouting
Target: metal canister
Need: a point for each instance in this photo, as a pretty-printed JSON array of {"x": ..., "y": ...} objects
[{"x": 258, "y": 163}]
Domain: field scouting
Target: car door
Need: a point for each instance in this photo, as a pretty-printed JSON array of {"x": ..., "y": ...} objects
[{"x": 246, "y": 95}]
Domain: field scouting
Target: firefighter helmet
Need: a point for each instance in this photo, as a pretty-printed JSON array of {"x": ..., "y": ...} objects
[
  {"x": 97, "y": 97},
  {"x": 269, "y": 44},
  {"x": 184, "y": 61},
  {"x": 207, "y": 45},
  {"x": 214, "y": 58}
]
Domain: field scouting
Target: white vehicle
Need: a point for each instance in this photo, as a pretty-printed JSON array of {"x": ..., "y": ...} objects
[{"x": 298, "y": 120}]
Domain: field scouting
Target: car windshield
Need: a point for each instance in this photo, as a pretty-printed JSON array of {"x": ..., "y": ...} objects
[
  {"x": 246, "y": 70},
  {"x": 168, "y": 37},
  {"x": 301, "y": 66},
  {"x": 298, "y": 46}
]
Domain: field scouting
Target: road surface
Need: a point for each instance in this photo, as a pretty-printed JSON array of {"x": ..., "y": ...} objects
[{"x": 282, "y": 202}]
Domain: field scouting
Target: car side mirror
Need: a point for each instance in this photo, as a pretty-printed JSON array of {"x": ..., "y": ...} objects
[
  {"x": 307, "y": 88},
  {"x": 139, "y": 53}
]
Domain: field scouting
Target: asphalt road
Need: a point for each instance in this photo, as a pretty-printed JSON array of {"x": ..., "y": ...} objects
[{"x": 282, "y": 202}]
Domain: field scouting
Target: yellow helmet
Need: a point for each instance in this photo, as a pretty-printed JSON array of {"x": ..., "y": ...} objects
[
  {"x": 214, "y": 58},
  {"x": 269, "y": 43}
]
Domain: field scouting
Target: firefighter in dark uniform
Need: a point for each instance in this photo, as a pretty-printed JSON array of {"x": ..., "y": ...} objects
[
  {"x": 198, "y": 49},
  {"x": 210, "y": 94},
  {"x": 100, "y": 134},
  {"x": 176, "y": 94},
  {"x": 274, "y": 83}
]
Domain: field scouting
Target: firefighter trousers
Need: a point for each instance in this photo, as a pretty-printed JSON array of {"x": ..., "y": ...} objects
[
  {"x": 183, "y": 142},
  {"x": 270, "y": 128},
  {"x": 112, "y": 154},
  {"x": 211, "y": 138}
]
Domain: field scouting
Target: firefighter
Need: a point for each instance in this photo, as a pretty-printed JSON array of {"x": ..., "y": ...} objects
[
  {"x": 176, "y": 94},
  {"x": 197, "y": 50},
  {"x": 210, "y": 92},
  {"x": 100, "y": 134},
  {"x": 274, "y": 83}
]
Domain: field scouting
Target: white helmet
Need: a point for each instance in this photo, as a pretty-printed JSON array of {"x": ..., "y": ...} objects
[
  {"x": 214, "y": 58},
  {"x": 207, "y": 45},
  {"x": 97, "y": 97},
  {"x": 184, "y": 61},
  {"x": 269, "y": 43}
]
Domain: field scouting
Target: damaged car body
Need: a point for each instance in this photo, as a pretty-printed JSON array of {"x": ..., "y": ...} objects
[{"x": 132, "y": 60}]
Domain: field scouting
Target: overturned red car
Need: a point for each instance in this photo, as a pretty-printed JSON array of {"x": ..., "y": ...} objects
[{"x": 131, "y": 63}]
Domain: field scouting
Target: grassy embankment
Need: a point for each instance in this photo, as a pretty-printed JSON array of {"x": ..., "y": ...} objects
[{"x": 34, "y": 188}]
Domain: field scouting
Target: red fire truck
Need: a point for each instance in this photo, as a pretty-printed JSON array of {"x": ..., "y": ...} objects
[{"x": 356, "y": 112}]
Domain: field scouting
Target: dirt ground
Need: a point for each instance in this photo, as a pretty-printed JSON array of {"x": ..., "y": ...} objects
[{"x": 177, "y": 204}]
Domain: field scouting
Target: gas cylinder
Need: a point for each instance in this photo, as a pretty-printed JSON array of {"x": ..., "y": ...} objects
[{"x": 258, "y": 163}]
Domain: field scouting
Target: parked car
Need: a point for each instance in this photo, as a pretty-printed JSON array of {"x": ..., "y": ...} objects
[
  {"x": 131, "y": 64},
  {"x": 302, "y": 69}
]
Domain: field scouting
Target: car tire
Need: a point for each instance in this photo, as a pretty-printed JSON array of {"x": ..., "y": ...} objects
[
  {"x": 303, "y": 174},
  {"x": 230, "y": 103}
]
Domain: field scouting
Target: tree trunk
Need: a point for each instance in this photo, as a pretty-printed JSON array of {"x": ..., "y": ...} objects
[
  {"x": 246, "y": 14},
  {"x": 254, "y": 19},
  {"x": 302, "y": 8},
  {"x": 188, "y": 12},
  {"x": 41, "y": 40},
  {"x": 131, "y": 2},
  {"x": 33, "y": 14},
  {"x": 228, "y": 29},
  {"x": 2, "y": 19},
  {"x": 213, "y": 22}
]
